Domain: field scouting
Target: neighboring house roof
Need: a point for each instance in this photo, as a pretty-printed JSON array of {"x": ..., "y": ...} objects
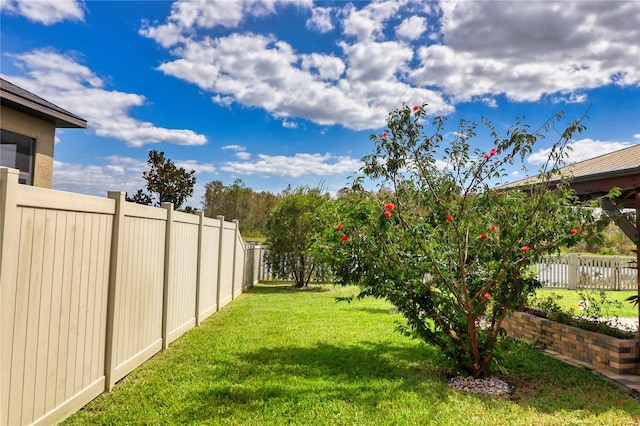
[
  {"x": 22, "y": 100},
  {"x": 600, "y": 174}
]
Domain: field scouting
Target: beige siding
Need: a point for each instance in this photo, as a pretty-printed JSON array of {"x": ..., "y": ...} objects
[{"x": 42, "y": 131}]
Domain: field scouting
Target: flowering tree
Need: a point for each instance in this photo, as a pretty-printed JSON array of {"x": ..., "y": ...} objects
[{"x": 454, "y": 254}]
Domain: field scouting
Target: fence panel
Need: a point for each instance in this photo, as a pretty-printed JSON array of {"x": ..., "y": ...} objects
[
  {"x": 588, "y": 272},
  {"x": 137, "y": 287},
  {"x": 53, "y": 311},
  {"x": 628, "y": 274},
  {"x": 252, "y": 264},
  {"x": 209, "y": 256},
  {"x": 93, "y": 287},
  {"x": 553, "y": 271},
  {"x": 238, "y": 262},
  {"x": 182, "y": 274},
  {"x": 227, "y": 240}
]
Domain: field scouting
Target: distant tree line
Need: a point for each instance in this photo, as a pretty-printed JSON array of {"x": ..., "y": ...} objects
[{"x": 237, "y": 201}]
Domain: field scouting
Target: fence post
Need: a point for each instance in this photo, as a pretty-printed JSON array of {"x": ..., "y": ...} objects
[
  {"x": 573, "y": 265},
  {"x": 220, "y": 247},
  {"x": 199, "y": 266},
  {"x": 9, "y": 234},
  {"x": 615, "y": 266},
  {"x": 167, "y": 274},
  {"x": 115, "y": 262}
]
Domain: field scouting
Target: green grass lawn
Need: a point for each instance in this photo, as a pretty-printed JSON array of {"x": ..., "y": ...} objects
[
  {"x": 570, "y": 299},
  {"x": 282, "y": 357}
]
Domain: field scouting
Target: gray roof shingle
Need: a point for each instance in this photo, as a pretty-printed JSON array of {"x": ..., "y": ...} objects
[{"x": 25, "y": 101}]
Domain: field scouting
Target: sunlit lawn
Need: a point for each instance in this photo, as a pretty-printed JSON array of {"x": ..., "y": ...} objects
[
  {"x": 570, "y": 299},
  {"x": 276, "y": 357}
]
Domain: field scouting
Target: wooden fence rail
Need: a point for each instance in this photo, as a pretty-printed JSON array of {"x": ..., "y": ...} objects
[{"x": 90, "y": 288}]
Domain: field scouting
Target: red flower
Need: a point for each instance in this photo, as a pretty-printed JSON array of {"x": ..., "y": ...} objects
[
  {"x": 482, "y": 236},
  {"x": 573, "y": 232},
  {"x": 389, "y": 206},
  {"x": 339, "y": 227},
  {"x": 416, "y": 107},
  {"x": 485, "y": 156},
  {"x": 385, "y": 134},
  {"x": 487, "y": 295},
  {"x": 525, "y": 248},
  {"x": 438, "y": 117},
  {"x": 500, "y": 194},
  {"x": 344, "y": 237},
  {"x": 439, "y": 199},
  {"x": 449, "y": 217},
  {"x": 387, "y": 213},
  {"x": 494, "y": 228},
  {"x": 493, "y": 151}
]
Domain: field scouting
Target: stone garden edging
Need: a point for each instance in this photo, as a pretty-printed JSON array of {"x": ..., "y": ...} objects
[{"x": 598, "y": 350}]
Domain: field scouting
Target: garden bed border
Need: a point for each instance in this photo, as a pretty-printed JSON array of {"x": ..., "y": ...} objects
[{"x": 620, "y": 356}]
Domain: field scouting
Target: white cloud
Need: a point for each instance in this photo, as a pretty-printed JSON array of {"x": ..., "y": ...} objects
[
  {"x": 327, "y": 67},
  {"x": 262, "y": 72},
  {"x": 636, "y": 136},
  {"x": 243, "y": 155},
  {"x": 320, "y": 19},
  {"x": 233, "y": 148},
  {"x": 117, "y": 173},
  {"x": 194, "y": 165},
  {"x": 207, "y": 14},
  {"x": 412, "y": 28},
  {"x": 65, "y": 82},
  {"x": 581, "y": 150},
  {"x": 366, "y": 24},
  {"x": 294, "y": 166},
  {"x": 371, "y": 61},
  {"x": 481, "y": 50},
  {"x": 528, "y": 49},
  {"x": 572, "y": 98},
  {"x": 490, "y": 102},
  {"x": 47, "y": 12},
  {"x": 289, "y": 124}
]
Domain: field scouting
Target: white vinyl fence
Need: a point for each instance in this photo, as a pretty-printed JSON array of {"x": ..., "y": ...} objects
[
  {"x": 573, "y": 271},
  {"x": 90, "y": 288}
]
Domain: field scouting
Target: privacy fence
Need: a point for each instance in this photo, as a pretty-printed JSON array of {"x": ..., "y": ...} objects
[
  {"x": 90, "y": 288},
  {"x": 574, "y": 271}
]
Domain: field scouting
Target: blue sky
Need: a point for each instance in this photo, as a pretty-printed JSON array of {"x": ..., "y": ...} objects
[{"x": 288, "y": 92}]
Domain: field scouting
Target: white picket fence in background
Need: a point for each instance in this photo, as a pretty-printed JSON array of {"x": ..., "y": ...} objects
[{"x": 573, "y": 271}]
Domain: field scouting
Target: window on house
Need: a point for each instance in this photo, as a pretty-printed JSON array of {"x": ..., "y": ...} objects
[{"x": 16, "y": 151}]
